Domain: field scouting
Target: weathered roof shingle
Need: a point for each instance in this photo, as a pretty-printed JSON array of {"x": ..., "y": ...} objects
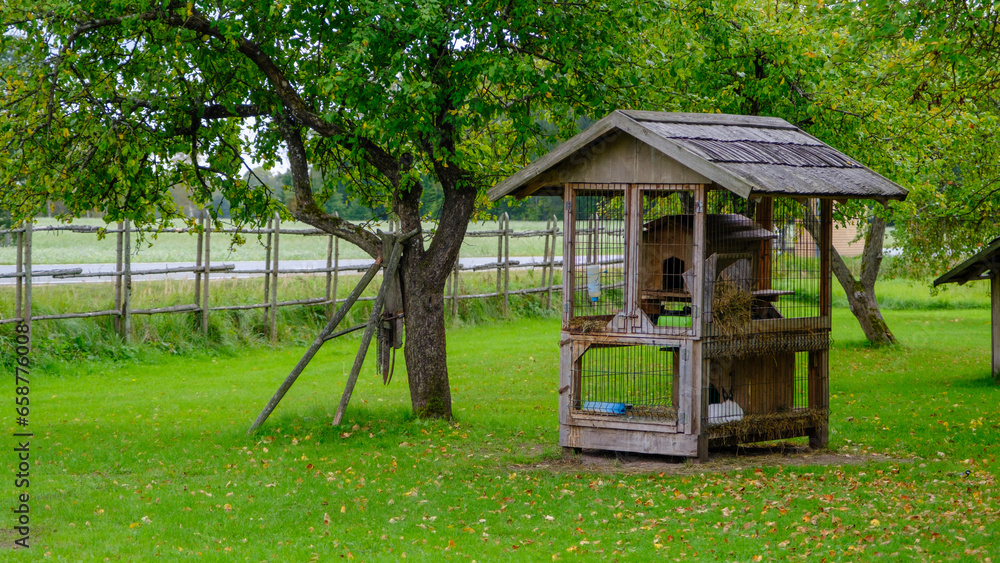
[{"x": 745, "y": 154}]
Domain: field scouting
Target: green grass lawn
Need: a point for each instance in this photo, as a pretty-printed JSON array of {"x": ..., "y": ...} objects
[{"x": 143, "y": 458}]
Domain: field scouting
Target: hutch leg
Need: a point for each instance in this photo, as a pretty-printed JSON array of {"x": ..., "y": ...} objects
[{"x": 819, "y": 435}]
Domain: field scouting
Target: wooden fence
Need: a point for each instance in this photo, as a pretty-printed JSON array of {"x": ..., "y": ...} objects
[{"x": 26, "y": 273}]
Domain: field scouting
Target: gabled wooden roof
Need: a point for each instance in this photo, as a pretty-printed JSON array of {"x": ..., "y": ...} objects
[
  {"x": 979, "y": 267},
  {"x": 747, "y": 155}
]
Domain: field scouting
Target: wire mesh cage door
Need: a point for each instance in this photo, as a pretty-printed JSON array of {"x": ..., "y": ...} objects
[
  {"x": 666, "y": 258},
  {"x": 762, "y": 263},
  {"x": 598, "y": 256},
  {"x": 638, "y": 382}
]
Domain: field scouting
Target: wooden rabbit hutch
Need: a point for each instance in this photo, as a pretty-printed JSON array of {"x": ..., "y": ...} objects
[{"x": 696, "y": 303}]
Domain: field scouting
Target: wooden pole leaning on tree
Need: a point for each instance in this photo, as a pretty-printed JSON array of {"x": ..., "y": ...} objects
[
  {"x": 316, "y": 345},
  {"x": 373, "y": 320},
  {"x": 327, "y": 333}
]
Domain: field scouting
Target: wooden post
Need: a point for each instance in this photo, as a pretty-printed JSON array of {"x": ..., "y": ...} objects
[
  {"x": 995, "y": 320},
  {"x": 126, "y": 310},
  {"x": 698, "y": 365},
  {"x": 447, "y": 286},
  {"x": 593, "y": 240},
  {"x": 19, "y": 269},
  {"x": 273, "y": 309},
  {"x": 316, "y": 345},
  {"x": 197, "y": 269},
  {"x": 825, "y": 244},
  {"x": 633, "y": 235},
  {"x": 698, "y": 296},
  {"x": 552, "y": 261},
  {"x": 336, "y": 266},
  {"x": 499, "y": 252},
  {"x": 819, "y": 394},
  {"x": 455, "y": 289},
  {"x": 27, "y": 310},
  {"x": 373, "y": 320},
  {"x": 331, "y": 275},
  {"x": 329, "y": 278},
  {"x": 207, "y": 268},
  {"x": 267, "y": 262},
  {"x": 765, "y": 217},
  {"x": 545, "y": 252},
  {"x": 118, "y": 278},
  {"x": 569, "y": 256},
  {"x": 506, "y": 263}
]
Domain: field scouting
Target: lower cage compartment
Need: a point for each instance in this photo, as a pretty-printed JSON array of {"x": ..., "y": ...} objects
[{"x": 766, "y": 427}]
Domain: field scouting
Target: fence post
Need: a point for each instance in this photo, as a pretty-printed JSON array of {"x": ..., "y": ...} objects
[
  {"x": 454, "y": 289},
  {"x": 499, "y": 252},
  {"x": 28, "y": 226},
  {"x": 207, "y": 267},
  {"x": 273, "y": 309},
  {"x": 267, "y": 262},
  {"x": 447, "y": 286},
  {"x": 336, "y": 267},
  {"x": 545, "y": 251},
  {"x": 125, "y": 313},
  {"x": 506, "y": 262},
  {"x": 118, "y": 278},
  {"x": 593, "y": 240},
  {"x": 197, "y": 268},
  {"x": 552, "y": 260},
  {"x": 19, "y": 269},
  {"x": 331, "y": 274}
]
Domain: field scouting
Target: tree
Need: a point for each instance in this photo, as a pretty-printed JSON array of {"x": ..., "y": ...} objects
[
  {"x": 806, "y": 66},
  {"x": 945, "y": 76},
  {"x": 378, "y": 96}
]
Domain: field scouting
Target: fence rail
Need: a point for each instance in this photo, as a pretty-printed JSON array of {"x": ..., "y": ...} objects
[{"x": 25, "y": 275}]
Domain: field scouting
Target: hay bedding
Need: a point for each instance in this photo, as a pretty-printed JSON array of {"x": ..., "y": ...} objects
[
  {"x": 769, "y": 426},
  {"x": 731, "y": 308}
]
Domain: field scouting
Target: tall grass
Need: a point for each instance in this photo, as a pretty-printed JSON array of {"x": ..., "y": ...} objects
[{"x": 180, "y": 333}]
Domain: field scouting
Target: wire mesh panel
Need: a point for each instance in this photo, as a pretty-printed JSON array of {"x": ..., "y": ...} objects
[
  {"x": 599, "y": 251},
  {"x": 760, "y": 389},
  {"x": 665, "y": 265},
  {"x": 761, "y": 263},
  {"x": 633, "y": 381}
]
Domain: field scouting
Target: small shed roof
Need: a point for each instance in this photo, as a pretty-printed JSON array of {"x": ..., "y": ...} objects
[
  {"x": 979, "y": 267},
  {"x": 747, "y": 155}
]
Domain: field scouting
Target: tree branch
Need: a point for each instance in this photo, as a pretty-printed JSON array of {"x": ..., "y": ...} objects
[
  {"x": 378, "y": 157},
  {"x": 306, "y": 209}
]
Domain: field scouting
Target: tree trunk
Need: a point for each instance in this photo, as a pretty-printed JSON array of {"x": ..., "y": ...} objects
[
  {"x": 861, "y": 292},
  {"x": 424, "y": 349},
  {"x": 424, "y": 272}
]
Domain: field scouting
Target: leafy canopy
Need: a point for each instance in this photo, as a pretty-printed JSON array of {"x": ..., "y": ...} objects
[{"x": 109, "y": 104}]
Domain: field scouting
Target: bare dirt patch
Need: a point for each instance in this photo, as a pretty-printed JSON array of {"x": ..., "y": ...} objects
[{"x": 734, "y": 459}]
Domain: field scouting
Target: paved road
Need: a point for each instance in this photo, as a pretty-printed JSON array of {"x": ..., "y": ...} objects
[{"x": 105, "y": 272}]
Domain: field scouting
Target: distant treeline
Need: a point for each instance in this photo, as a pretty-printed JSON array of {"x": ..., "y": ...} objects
[{"x": 351, "y": 207}]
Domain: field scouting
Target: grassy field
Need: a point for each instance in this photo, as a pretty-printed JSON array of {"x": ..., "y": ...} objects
[
  {"x": 59, "y": 247},
  {"x": 147, "y": 457}
]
